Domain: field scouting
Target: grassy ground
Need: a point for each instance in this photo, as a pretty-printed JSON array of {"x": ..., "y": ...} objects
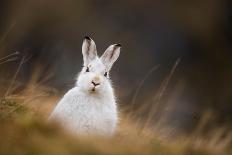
[{"x": 24, "y": 131}]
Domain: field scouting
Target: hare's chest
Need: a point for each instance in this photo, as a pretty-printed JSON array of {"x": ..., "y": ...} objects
[
  {"x": 95, "y": 118},
  {"x": 92, "y": 114}
]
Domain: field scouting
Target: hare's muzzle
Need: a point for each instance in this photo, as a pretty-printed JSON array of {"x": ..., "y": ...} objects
[{"x": 95, "y": 82}]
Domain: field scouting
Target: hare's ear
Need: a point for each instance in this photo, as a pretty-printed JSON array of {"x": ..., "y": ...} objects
[
  {"x": 111, "y": 55},
  {"x": 89, "y": 50}
]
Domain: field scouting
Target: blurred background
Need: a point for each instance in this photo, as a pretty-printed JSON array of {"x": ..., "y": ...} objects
[{"x": 48, "y": 35}]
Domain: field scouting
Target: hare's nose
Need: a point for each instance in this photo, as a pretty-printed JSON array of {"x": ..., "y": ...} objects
[
  {"x": 96, "y": 81},
  {"x": 95, "y": 84}
]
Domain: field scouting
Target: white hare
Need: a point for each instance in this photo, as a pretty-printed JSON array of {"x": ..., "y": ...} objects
[{"x": 90, "y": 107}]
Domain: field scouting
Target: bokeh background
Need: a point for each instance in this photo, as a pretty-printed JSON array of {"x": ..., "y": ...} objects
[{"x": 49, "y": 35}]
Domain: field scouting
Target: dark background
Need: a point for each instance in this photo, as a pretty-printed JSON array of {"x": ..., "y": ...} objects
[{"x": 199, "y": 32}]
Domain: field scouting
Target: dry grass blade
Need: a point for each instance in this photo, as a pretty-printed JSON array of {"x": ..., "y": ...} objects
[
  {"x": 8, "y": 56},
  {"x": 23, "y": 60},
  {"x": 155, "y": 107},
  {"x": 6, "y": 33},
  {"x": 167, "y": 80},
  {"x": 9, "y": 60},
  {"x": 141, "y": 84},
  {"x": 14, "y": 77}
]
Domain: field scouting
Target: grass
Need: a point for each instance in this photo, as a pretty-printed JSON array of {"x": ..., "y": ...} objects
[{"x": 25, "y": 131}]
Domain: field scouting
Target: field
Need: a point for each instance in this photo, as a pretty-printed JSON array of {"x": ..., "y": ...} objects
[{"x": 25, "y": 131}]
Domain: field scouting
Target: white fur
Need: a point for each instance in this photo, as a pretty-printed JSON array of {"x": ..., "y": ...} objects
[{"x": 83, "y": 110}]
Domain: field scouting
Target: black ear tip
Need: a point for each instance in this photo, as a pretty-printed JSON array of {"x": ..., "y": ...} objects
[
  {"x": 118, "y": 45},
  {"x": 87, "y": 37}
]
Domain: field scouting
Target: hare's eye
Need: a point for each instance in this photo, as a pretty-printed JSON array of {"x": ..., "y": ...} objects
[
  {"x": 105, "y": 74},
  {"x": 87, "y": 69}
]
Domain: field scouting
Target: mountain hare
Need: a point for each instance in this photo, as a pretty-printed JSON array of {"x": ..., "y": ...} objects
[{"x": 90, "y": 107}]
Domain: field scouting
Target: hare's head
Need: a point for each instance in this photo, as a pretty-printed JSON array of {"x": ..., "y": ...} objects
[{"x": 94, "y": 77}]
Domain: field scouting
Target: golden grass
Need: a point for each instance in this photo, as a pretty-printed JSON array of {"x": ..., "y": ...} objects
[{"x": 24, "y": 130}]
